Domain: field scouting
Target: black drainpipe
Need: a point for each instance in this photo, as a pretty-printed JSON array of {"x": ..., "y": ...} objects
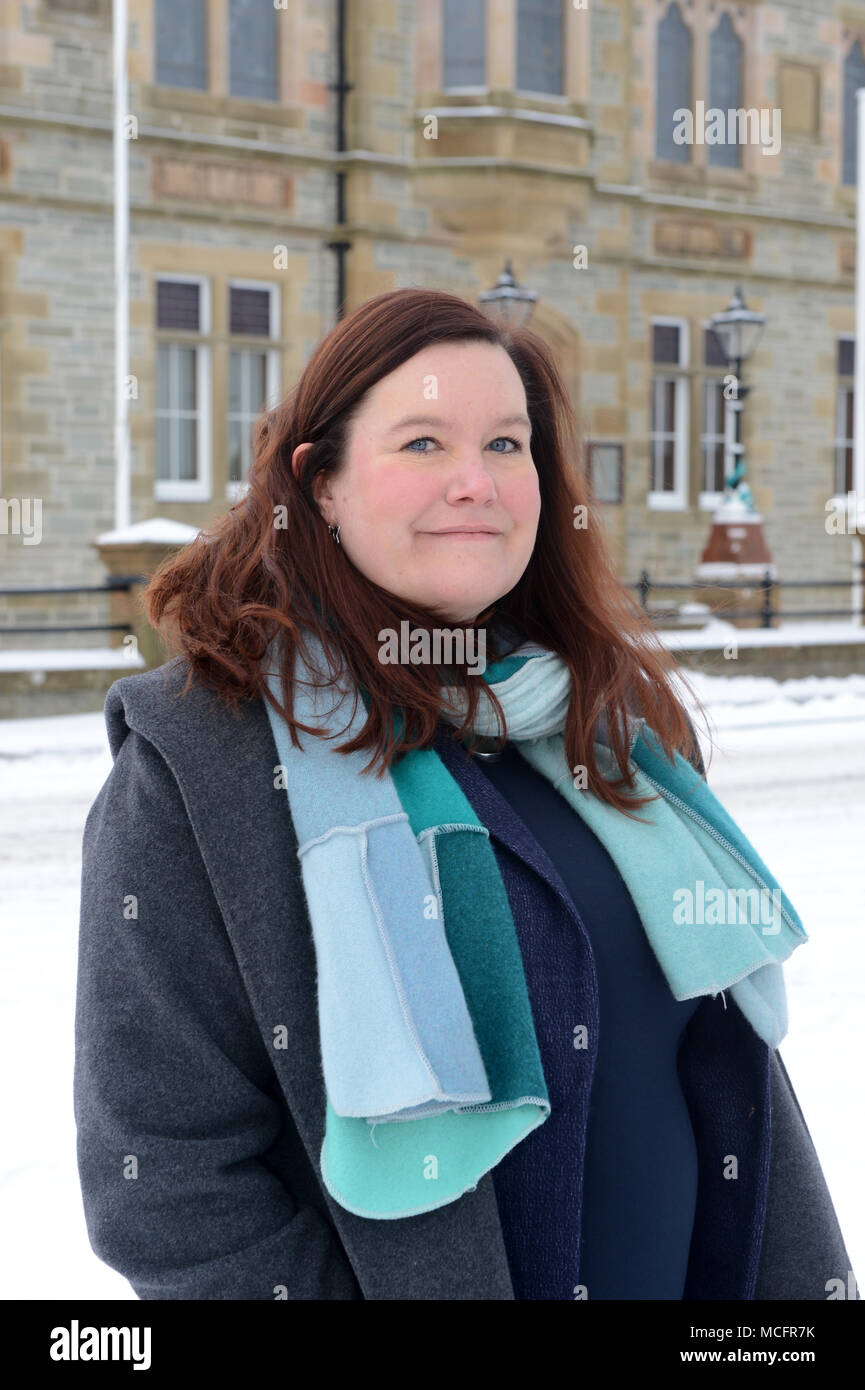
[{"x": 341, "y": 86}]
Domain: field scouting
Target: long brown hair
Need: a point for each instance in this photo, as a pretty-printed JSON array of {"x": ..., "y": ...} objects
[{"x": 270, "y": 563}]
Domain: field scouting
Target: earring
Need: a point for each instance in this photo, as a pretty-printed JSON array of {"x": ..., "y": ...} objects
[{"x": 334, "y": 531}]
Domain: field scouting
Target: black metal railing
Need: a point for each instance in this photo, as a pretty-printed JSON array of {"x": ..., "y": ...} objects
[
  {"x": 767, "y": 586},
  {"x": 115, "y": 583}
]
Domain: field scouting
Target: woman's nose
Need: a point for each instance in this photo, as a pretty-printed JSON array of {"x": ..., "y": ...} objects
[{"x": 472, "y": 479}]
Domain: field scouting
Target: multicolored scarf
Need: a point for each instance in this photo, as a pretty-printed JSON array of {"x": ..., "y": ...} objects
[{"x": 431, "y": 1063}]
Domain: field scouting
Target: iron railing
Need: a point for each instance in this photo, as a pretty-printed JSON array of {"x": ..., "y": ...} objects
[
  {"x": 767, "y": 586},
  {"x": 115, "y": 583}
]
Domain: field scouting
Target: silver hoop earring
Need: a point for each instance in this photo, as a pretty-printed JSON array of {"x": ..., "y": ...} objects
[{"x": 334, "y": 531}]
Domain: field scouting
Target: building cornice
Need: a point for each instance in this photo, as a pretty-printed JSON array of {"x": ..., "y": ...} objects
[{"x": 410, "y": 166}]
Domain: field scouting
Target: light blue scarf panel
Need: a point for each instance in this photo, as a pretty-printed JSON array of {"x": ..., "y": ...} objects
[{"x": 387, "y": 983}]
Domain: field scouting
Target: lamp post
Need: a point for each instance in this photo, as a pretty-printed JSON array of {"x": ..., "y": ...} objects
[
  {"x": 736, "y": 548},
  {"x": 509, "y": 302}
]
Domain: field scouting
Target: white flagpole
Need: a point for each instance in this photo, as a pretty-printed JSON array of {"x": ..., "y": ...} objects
[
  {"x": 122, "y": 476},
  {"x": 859, "y": 361},
  {"x": 858, "y": 498}
]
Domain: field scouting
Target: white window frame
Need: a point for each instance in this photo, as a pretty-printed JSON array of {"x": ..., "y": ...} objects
[
  {"x": 677, "y": 498},
  {"x": 710, "y": 501},
  {"x": 197, "y": 489},
  {"x": 840, "y": 499},
  {"x": 236, "y": 488}
]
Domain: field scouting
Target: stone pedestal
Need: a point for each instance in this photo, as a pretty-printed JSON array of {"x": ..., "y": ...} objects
[
  {"x": 136, "y": 551},
  {"x": 737, "y": 554}
]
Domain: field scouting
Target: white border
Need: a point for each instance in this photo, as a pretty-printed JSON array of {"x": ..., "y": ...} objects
[{"x": 677, "y": 498}]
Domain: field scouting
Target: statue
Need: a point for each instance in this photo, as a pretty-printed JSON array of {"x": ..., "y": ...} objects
[{"x": 735, "y": 486}]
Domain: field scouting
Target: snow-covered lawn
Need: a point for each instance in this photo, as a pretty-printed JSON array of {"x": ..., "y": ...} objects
[{"x": 789, "y": 762}]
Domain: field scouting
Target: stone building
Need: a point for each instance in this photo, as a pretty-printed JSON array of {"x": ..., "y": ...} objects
[{"x": 473, "y": 132}]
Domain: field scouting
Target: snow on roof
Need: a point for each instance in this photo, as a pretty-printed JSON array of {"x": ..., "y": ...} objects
[{"x": 160, "y": 530}]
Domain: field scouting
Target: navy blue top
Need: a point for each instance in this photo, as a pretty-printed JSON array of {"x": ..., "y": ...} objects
[{"x": 640, "y": 1162}]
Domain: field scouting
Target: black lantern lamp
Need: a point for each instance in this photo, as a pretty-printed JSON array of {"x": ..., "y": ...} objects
[{"x": 512, "y": 305}]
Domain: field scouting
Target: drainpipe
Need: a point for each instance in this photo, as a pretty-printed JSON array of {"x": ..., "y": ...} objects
[{"x": 342, "y": 87}]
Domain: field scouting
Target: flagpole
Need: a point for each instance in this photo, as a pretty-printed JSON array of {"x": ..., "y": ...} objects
[
  {"x": 859, "y": 357},
  {"x": 122, "y": 475}
]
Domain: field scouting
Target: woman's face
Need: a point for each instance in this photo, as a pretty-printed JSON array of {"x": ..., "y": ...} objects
[{"x": 438, "y": 500}]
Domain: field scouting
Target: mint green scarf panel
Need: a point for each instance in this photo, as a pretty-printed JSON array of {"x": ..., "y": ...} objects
[{"x": 402, "y": 1167}]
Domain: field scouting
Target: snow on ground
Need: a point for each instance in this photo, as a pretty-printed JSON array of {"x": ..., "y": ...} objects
[
  {"x": 788, "y": 761},
  {"x": 718, "y": 633},
  {"x": 36, "y": 659}
]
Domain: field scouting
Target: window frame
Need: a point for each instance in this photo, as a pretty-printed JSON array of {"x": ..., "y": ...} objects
[
  {"x": 710, "y": 33},
  {"x": 856, "y": 36},
  {"x": 244, "y": 342},
  {"x": 200, "y": 488},
  {"x": 616, "y": 444},
  {"x": 467, "y": 89},
  {"x": 656, "y": 60},
  {"x": 707, "y": 499},
  {"x": 501, "y": 64},
  {"x": 701, "y": 22},
  {"x": 676, "y": 499},
  {"x": 532, "y": 92},
  {"x": 277, "y": 74},
  {"x": 842, "y": 384},
  {"x": 205, "y": 62}
]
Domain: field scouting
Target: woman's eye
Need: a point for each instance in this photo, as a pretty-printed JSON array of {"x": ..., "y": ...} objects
[{"x": 426, "y": 438}]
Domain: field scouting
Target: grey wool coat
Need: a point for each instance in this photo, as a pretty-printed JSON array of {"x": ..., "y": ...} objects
[{"x": 198, "y": 1089}]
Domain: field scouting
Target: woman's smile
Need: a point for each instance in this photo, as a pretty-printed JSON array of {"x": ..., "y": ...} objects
[{"x": 463, "y": 535}]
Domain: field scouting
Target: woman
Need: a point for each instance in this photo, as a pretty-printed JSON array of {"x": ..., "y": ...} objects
[{"x": 391, "y": 983}]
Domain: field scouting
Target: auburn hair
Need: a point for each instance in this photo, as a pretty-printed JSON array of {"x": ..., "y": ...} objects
[{"x": 270, "y": 564}]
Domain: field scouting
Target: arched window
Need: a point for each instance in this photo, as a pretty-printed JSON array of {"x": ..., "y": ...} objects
[
  {"x": 673, "y": 83},
  {"x": 540, "y": 44},
  {"x": 464, "y": 43},
  {"x": 854, "y": 76},
  {"x": 725, "y": 87}
]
